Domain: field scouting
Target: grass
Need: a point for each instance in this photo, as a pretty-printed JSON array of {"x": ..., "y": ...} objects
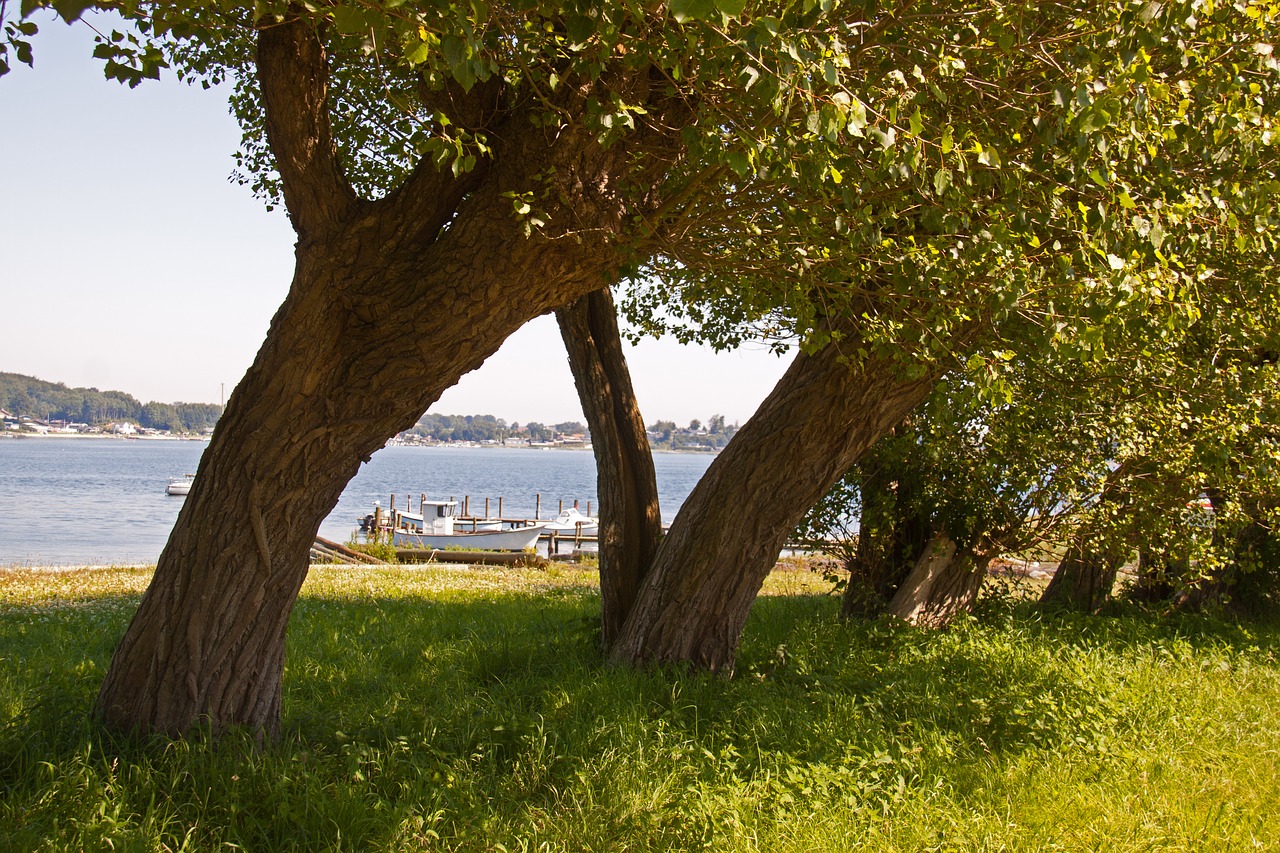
[{"x": 437, "y": 708}]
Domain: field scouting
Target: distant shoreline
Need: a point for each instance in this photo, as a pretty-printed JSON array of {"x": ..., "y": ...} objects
[
  {"x": 205, "y": 438},
  {"x": 99, "y": 435}
]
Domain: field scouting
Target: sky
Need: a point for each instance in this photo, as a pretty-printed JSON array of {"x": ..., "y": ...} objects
[{"x": 129, "y": 261}]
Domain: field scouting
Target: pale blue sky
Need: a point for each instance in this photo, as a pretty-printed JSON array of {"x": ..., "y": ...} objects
[{"x": 129, "y": 261}]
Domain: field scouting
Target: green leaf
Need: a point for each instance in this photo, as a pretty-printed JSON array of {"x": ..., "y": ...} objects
[
  {"x": 455, "y": 52},
  {"x": 349, "y": 21},
  {"x": 692, "y": 10},
  {"x": 731, "y": 8},
  {"x": 941, "y": 180},
  {"x": 580, "y": 28},
  {"x": 71, "y": 10},
  {"x": 857, "y": 117},
  {"x": 917, "y": 123},
  {"x": 419, "y": 54}
]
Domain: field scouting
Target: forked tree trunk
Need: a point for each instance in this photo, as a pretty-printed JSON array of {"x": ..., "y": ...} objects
[
  {"x": 391, "y": 302},
  {"x": 630, "y": 520},
  {"x": 943, "y": 584},
  {"x": 819, "y": 419}
]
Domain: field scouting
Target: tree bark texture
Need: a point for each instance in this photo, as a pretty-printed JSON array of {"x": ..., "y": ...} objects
[
  {"x": 630, "y": 520},
  {"x": 820, "y": 418},
  {"x": 943, "y": 584},
  {"x": 392, "y": 301}
]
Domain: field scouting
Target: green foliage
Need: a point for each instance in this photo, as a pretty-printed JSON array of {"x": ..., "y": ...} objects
[
  {"x": 469, "y": 709},
  {"x": 377, "y": 544},
  {"x": 34, "y": 398}
]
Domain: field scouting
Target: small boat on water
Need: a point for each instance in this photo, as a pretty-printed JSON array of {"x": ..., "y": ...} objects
[
  {"x": 572, "y": 522},
  {"x": 179, "y": 485},
  {"x": 436, "y": 528}
]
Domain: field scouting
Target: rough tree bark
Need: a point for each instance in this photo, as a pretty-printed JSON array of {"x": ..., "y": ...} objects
[
  {"x": 819, "y": 419},
  {"x": 391, "y": 302},
  {"x": 943, "y": 584},
  {"x": 630, "y": 520}
]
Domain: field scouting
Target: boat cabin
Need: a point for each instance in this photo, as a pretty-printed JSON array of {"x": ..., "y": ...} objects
[{"x": 437, "y": 517}]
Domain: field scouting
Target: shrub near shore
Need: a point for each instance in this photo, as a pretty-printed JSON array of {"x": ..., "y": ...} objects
[{"x": 468, "y": 709}]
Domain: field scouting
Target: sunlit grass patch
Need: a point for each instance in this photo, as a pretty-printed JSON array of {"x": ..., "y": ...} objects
[{"x": 447, "y": 708}]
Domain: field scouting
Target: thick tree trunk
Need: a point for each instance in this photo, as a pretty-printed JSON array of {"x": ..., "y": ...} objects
[
  {"x": 630, "y": 520},
  {"x": 944, "y": 583},
  {"x": 392, "y": 301},
  {"x": 822, "y": 416}
]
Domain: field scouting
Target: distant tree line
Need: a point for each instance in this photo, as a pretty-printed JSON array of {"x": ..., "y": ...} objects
[
  {"x": 480, "y": 428},
  {"x": 27, "y": 396},
  {"x": 714, "y": 434}
]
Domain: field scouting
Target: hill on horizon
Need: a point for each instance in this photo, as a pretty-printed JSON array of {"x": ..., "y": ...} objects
[{"x": 28, "y": 396}]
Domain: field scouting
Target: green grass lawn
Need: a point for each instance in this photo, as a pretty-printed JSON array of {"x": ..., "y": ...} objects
[{"x": 434, "y": 708}]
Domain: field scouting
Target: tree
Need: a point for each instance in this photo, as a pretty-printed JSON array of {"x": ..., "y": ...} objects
[
  {"x": 1047, "y": 240},
  {"x": 836, "y": 170},
  {"x": 630, "y": 518},
  {"x": 495, "y": 163}
]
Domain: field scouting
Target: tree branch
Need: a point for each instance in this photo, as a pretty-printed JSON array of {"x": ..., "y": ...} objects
[{"x": 294, "y": 73}]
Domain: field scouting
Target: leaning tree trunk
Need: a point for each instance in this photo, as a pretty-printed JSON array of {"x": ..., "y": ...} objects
[
  {"x": 819, "y": 419},
  {"x": 943, "y": 584},
  {"x": 630, "y": 521},
  {"x": 391, "y": 302}
]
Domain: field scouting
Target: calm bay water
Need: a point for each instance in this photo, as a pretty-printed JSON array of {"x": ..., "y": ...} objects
[{"x": 70, "y": 501}]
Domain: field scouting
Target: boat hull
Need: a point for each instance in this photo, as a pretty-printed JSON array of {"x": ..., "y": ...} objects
[{"x": 516, "y": 539}]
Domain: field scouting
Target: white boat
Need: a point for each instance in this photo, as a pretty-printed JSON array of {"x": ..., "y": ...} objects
[
  {"x": 435, "y": 528},
  {"x": 179, "y": 485},
  {"x": 571, "y": 522}
]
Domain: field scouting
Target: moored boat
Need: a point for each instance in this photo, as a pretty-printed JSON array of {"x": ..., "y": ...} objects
[
  {"x": 436, "y": 528},
  {"x": 571, "y": 522},
  {"x": 179, "y": 485}
]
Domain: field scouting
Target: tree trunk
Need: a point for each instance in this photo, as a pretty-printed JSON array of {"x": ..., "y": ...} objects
[
  {"x": 896, "y": 525},
  {"x": 820, "y": 418},
  {"x": 869, "y": 567},
  {"x": 630, "y": 520},
  {"x": 391, "y": 303},
  {"x": 1087, "y": 574},
  {"x": 944, "y": 583},
  {"x": 1084, "y": 578}
]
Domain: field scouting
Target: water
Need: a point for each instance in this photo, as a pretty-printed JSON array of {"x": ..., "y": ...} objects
[{"x": 73, "y": 501}]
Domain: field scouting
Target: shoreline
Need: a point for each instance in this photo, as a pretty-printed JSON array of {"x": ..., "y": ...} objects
[{"x": 101, "y": 436}]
